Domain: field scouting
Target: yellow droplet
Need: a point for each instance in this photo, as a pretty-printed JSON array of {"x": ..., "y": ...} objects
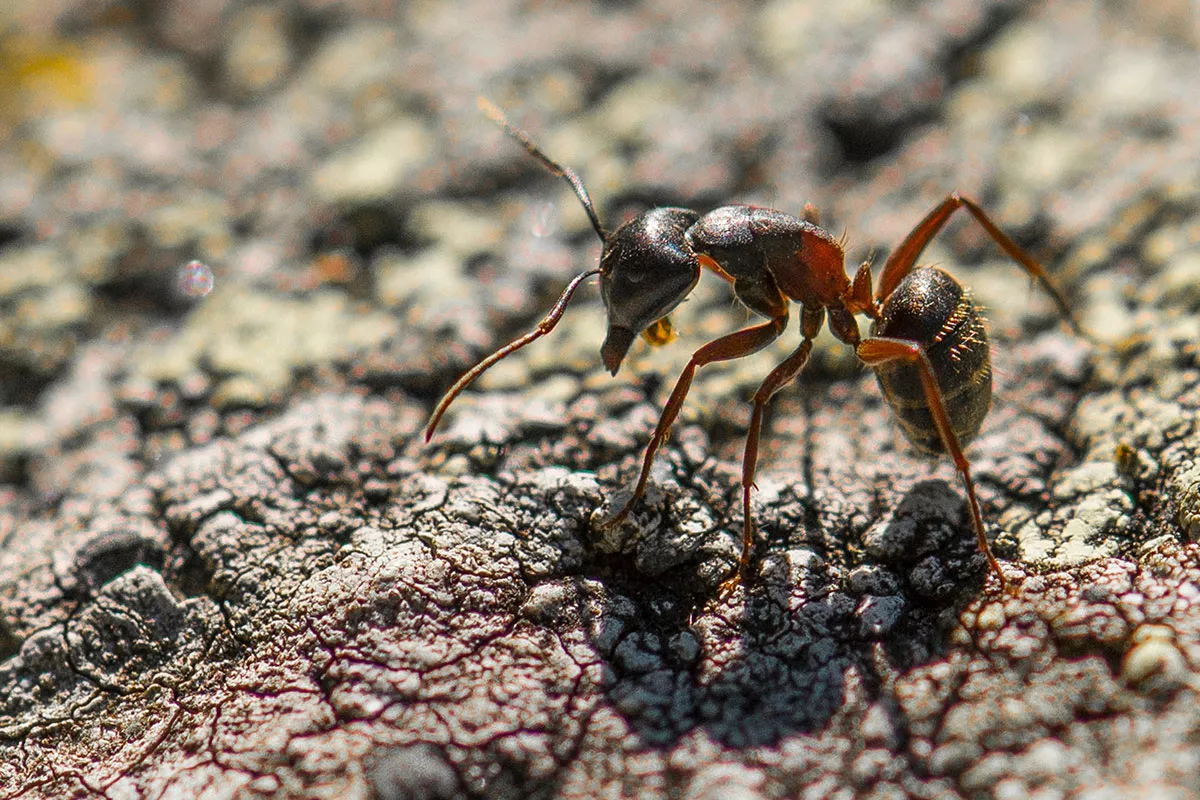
[{"x": 660, "y": 333}]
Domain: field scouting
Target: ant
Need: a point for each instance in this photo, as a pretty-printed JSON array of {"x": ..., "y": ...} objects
[{"x": 927, "y": 346}]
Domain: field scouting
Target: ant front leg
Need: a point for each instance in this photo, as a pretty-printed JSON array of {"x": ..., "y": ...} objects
[
  {"x": 734, "y": 345},
  {"x": 878, "y": 351}
]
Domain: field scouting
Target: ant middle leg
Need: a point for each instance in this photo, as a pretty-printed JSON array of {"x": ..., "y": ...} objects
[
  {"x": 875, "y": 352},
  {"x": 783, "y": 374},
  {"x": 734, "y": 345}
]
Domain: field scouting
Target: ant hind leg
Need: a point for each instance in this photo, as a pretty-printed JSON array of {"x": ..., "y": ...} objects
[{"x": 880, "y": 350}]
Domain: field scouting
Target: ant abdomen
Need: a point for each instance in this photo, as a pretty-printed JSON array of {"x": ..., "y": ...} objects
[{"x": 931, "y": 308}]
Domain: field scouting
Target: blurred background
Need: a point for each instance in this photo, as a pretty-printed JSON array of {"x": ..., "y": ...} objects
[{"x": 206, "y": 206}]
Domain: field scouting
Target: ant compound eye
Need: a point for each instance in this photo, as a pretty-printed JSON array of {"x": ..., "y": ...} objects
[{"x": 646, "y": 270}]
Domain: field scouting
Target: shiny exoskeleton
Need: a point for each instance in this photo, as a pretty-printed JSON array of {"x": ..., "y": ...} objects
[
  {"x": 927, "y": 344},
  {"x": 931, "y": 308}
]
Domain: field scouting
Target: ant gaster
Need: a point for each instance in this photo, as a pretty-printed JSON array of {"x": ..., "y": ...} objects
[{"x": 927, "y": 345}]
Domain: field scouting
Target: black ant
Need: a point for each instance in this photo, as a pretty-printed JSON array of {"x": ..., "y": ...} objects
[{"x": 928, "y": 345}]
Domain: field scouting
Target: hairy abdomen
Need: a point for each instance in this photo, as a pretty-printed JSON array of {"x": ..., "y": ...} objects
[{"x": 931, "y": 308}]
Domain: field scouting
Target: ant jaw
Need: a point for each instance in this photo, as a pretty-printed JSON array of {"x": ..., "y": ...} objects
[{"x": 615, "y": 346}]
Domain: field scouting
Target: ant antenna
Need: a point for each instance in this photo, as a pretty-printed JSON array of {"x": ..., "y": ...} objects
[
  {"x": 545, "y": 326},
  {"x": 551, "y": 319},
  {"x": 497, "y": 116}
]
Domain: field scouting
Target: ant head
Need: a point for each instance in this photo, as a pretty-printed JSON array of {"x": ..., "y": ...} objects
[
  {"x": 646, "y": 269},
  {"x": 647, "y": 266}
]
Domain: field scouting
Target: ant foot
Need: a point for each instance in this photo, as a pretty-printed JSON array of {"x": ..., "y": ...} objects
[
  {"x": 1008, "y": 585},
  {"x": 617, "y": 519},
  {"x": 730, "y": 586},
  {"x": 739, "y": 579}
]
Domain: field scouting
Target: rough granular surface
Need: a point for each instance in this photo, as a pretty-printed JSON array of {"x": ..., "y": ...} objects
[{"x": 244, "y": 249}]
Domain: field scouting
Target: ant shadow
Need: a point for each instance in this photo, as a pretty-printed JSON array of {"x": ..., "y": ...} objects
[{"x": 805, "y": 651}]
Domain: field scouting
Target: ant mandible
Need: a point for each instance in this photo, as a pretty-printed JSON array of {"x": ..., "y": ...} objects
[{"x": 928, "y": 346}]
